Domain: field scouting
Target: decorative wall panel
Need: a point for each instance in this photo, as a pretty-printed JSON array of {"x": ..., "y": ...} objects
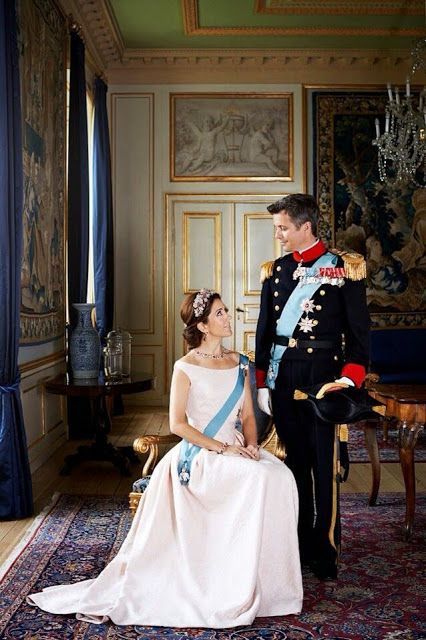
[
  {"x": 257, "y": 236},
  {"x": 201, "y": 251},
  {"x": 132, "y": 152},
  {"x": 231, "y": 136}
]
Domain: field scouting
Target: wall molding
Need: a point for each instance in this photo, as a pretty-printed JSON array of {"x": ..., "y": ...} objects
[
  {"x": 264, "y": 57},
  {"x": 175, "y": 66},
  {"x": 339, "y": 7},
  {"x": 50, "y": 360},
  {"x": 192, "y": 24}
]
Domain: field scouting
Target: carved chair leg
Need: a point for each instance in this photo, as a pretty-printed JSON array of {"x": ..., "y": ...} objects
[{"x": 134, "y": 500}]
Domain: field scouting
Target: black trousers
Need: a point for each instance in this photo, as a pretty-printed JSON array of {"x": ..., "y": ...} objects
[{"x": 311, "y": 449}]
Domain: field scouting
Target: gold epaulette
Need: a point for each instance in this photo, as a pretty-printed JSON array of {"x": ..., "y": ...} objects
[
  {"x": 355, "y": 265},
  {"x": 266, "y": 270}
]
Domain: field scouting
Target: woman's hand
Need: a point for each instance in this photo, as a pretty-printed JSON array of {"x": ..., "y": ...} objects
[
  {"x": 253, "y": 449},
  {"x": 238, "y": 450}
]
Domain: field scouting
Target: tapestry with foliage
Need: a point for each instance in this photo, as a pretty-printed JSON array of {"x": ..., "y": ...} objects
[
  {"x": 384, "y": 222},
  {"x": 42, "y": 42}
]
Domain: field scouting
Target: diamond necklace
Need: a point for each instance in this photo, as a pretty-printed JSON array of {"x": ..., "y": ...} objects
[{"x": 210, "y": 355}]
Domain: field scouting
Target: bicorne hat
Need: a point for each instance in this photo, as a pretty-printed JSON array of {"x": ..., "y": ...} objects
[{"x": 348, "y": 404}]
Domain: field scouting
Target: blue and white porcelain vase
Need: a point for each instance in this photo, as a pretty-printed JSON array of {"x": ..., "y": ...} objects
[{"x": 85, "y": 344}]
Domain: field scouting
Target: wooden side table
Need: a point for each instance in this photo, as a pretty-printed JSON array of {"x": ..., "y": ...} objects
[
  {"x": 407, "y": 403},
  {"x": 99, "y": 391}
]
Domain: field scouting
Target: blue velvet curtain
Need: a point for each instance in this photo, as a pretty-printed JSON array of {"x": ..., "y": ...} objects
[
  {"x": 103, "y": 247},
  {"x": 78, "y": 214},
  {"x": 15, "y": 479},
  {"x": 78, "y": 179}
]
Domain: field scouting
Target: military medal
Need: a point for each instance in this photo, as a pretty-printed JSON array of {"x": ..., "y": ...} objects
[
  {"x": 319, "y": 275},
  {"x": 308, "y": 306},
  {"x": 299, "y": 271},
  {"x": 306, "y": 324}
]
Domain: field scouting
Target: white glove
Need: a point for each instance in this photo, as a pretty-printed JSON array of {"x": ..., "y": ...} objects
[
  {"x": 264, "y": 400},
  {"x": 346, "y": 380}
]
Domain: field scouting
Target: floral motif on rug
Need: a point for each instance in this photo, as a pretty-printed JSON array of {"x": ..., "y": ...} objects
[
  {"x": 388, "y": 449},
  {"x": 380, "y": 593}
]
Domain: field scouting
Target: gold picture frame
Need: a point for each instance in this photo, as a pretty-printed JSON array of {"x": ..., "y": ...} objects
[{"x": 232, "y": 137}]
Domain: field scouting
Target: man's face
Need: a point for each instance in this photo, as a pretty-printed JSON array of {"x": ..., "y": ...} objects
[{"x": 290, "y": 237}]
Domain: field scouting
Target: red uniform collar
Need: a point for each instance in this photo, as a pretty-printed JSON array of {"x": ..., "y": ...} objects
[{"x": 310, "y": 254}]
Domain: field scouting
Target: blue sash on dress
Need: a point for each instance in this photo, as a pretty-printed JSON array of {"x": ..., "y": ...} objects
[
  {"x": 188, "y": 451},
  {"x": 291, "y": 314}
]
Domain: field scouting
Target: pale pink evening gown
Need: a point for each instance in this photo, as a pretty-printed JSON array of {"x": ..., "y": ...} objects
[{"x": 216, "y": 553}]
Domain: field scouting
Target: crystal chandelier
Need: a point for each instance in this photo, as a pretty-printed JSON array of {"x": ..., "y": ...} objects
[{"x": 402, "y": 145}]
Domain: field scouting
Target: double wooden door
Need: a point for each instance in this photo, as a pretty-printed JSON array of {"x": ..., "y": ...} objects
[{"x": 218, "y": 242}]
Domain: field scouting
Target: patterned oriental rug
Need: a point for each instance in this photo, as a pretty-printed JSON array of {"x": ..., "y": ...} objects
[
  {"x": 380, "y": 593},
  {"x": 388, "y": 451}
]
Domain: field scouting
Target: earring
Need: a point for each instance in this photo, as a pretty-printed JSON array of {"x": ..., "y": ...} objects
[{"x": 205, "y": 336}]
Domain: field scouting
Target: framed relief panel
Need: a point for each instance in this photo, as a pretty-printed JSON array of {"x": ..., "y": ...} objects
[{"x": 231, "y": 137}]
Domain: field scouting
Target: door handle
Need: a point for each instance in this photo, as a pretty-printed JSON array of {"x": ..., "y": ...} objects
[{"x": 239, "y": 310}]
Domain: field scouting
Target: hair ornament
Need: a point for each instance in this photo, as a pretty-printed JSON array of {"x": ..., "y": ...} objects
[{"x": 200, "y": 301}]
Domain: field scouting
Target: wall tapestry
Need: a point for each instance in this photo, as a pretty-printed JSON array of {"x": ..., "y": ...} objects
[
  {"x": 228, "y": 136},
  {"x": 386, "y": 223},
  {"x": 43, "y": 38}
]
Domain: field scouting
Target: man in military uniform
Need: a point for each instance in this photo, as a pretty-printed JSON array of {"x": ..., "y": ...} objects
[{"x": 313, "y": 302}]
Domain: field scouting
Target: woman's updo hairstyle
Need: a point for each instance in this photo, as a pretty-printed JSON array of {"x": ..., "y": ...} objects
[{"x": 196, "y": 308}]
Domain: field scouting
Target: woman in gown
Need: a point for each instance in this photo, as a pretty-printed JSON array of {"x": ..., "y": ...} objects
[{"x": 214, "y": 541}]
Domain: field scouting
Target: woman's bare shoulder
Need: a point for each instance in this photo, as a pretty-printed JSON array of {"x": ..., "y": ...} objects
[
  {"x": 188, "y": 358},
  {"x": 233, "y": 355}
]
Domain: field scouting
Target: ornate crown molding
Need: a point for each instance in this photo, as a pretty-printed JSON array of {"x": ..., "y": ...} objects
[
  {"x": 102, "y": 36},
  {"x": 263, "y": 57},
  {"x": 254, "y": 65}
]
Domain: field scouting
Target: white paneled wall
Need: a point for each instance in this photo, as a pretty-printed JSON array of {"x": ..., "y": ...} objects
[
  {"x": 133, "y": 206},
  {"x": 173, "y": 237},
  {"x": 44, "y": 414}
]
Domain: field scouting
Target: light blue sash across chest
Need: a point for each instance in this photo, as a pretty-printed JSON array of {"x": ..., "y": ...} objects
[
  {"x": 188, "y": 451},
  {"x": 291, "y": 314}
]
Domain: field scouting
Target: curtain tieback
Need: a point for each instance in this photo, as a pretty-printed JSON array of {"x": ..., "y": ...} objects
[{"x": 11, "y": 388}]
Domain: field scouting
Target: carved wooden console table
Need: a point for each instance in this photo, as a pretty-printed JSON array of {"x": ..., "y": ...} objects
[{"x": 407, "y": 403}]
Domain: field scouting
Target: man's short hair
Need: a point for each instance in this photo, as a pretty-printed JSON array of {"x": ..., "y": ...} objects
[{"x": 300, "y": 207}]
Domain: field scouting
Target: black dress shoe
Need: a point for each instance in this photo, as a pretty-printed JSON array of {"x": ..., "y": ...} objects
[{"x": 324, "y": 571}]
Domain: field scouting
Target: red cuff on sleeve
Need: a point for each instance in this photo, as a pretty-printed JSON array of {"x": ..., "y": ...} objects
[
  {"x": 356, "y": 372},
  {"x": 260, "y": 379}
]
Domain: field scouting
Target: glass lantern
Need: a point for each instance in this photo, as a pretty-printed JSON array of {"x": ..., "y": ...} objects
[{"x": 121, "y": 340}]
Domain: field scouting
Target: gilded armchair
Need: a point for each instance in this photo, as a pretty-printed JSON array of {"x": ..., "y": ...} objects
[{"x": 150, "y": 444}]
